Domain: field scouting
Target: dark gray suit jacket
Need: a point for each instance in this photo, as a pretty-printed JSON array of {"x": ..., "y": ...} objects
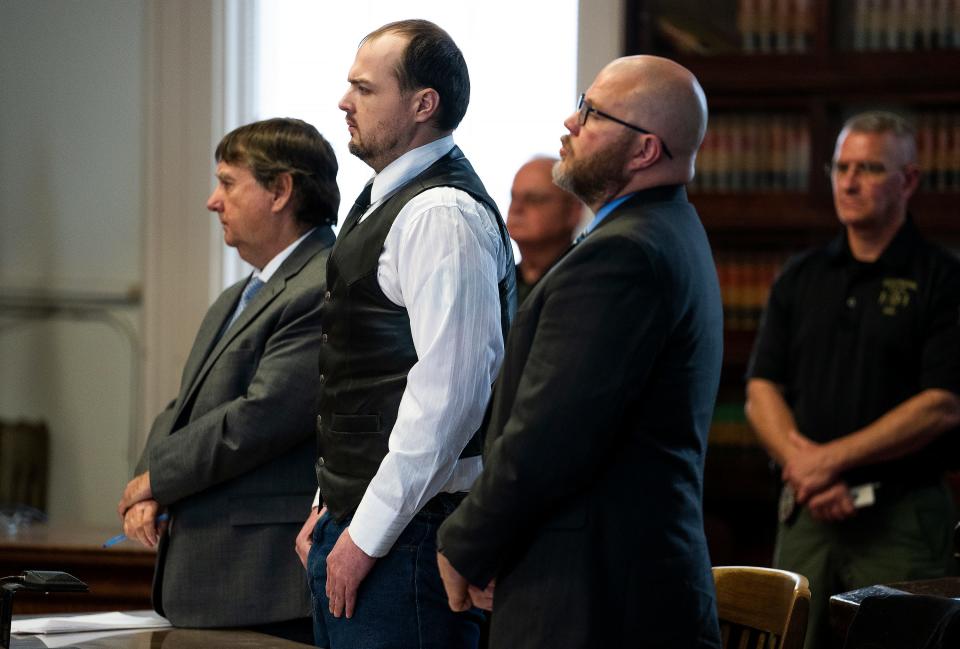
[
  {"x": 588, "y": 511},
  {"x": 232, "y": 457}
]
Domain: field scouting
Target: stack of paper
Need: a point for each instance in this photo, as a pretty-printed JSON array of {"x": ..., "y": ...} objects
[{"x": 91, "y": 622}]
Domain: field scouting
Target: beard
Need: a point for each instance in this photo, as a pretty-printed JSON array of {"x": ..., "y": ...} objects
[
  {"x": 376, "y": 150},
  {"x": 594, "y": 179}
]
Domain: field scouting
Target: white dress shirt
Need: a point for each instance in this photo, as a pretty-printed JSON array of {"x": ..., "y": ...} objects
[
  {"x": 267, "y": 271},
  {"x": 442, "y": 260}
]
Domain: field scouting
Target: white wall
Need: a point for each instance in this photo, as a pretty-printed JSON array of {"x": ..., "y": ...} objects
[
  {"x": 71, "y": 156},
  {"x": 71, "y": 163},
  {"x": 521, "y": 89},
  {"x": 600, "y": 38}
]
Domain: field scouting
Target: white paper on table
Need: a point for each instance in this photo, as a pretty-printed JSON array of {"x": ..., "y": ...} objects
[
  {"x": 114, "y": 621},
  {"x": 56, "y": 640}
]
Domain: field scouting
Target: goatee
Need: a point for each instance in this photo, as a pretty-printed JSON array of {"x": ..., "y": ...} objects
[{"x": 594, "y": 179}]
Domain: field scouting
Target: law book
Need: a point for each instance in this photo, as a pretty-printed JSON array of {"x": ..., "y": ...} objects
[
  {"x": 804, "y": 17},
  {"x": 953, "y": 170},
  {"x": 746, "y": 26},
  {"x": 925, "y": 154}
]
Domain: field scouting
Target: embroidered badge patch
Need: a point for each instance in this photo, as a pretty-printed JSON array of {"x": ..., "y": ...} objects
[{"x": 895, "y": 294}]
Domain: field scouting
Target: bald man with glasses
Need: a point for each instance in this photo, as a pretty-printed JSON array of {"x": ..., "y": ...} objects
[
  {"x": 584, "y": 110},
  {"x": 585, "y": 528},
  {"x": 854, "y": 382}
]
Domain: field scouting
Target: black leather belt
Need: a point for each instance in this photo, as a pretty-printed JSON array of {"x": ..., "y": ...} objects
[{"x": 890, "y": 489}]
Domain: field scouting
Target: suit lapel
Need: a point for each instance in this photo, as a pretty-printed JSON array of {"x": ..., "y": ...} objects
[
  {"x": 213, "y": 323},
  {"x": 260, "y": 301},
  {"x": 322, "y": 237},
  {"x": 206, "y": 361}
]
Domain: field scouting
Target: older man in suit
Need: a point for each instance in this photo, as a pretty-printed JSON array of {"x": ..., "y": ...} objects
[
  {"x": 588, "y": 514},
  {"x": 230, "y": 460},
  {"x": 541, "y": 221}
]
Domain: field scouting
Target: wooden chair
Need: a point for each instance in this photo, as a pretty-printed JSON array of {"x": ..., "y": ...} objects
[
  {"x": 24, "y": 459},
  {"x": 761, "y": 608}
]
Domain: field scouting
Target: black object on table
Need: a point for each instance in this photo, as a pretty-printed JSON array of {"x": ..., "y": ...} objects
[{"x": 45, "y": 581}]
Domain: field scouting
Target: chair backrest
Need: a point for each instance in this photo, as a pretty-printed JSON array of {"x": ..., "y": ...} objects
[
  {"x": 24, "y": 459},
  {"x": 761, "y": 608},
  {"x": 956, "y": 541}
]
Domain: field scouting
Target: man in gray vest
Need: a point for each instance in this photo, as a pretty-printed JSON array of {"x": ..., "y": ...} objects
[{"x": 421, "y": 290}]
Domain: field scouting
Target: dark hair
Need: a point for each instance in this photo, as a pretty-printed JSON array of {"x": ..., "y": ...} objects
[
  {"x": 286, "y": 145},
  {"x": 431, "y": 60}
]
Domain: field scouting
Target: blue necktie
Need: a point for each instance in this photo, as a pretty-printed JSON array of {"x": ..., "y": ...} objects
[{"x": 251, "y": 289}]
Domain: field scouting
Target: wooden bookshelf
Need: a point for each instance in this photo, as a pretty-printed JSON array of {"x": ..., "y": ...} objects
[
  {"x": 844, "y": 74},
  {"x": 823, "y": 84},
  {"x": 764, "y": 218},
  {"x": 827, "y": 69}
]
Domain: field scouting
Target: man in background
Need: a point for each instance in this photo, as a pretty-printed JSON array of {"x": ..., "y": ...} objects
[
  {"x": 421, "y": 291},
  {"x": 541, "y": 220},
  {"x": 586, "y": 527},
  {"x": 228, "y": 461},
  {"x": 854, "y": 375}
]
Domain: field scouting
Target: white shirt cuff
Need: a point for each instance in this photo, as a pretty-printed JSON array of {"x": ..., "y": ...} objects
[{"x": 375, "y": 526}]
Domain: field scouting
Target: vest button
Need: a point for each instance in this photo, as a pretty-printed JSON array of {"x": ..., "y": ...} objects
[
  {"x": 326, "y": 296},
  {"x": 323, "y": 379},
  {"x": 321, "y": 461},
  {"x": 319, "y": 421},
  {"x": 323, "y": 338}
]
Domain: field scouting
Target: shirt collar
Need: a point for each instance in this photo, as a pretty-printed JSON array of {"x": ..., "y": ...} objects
[
  {"x": 605, "y": 210},
  {"x": 408, "y": 166},
  {"x": 267, "y": 272},
  {"x": 657, "y": 194},
  {"x": 898, "y": 253},
  {"x": 895, "y": 256}
]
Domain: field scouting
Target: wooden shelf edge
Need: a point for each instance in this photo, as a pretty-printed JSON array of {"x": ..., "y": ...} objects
[
  {"x": 786, "y": 212},
  {"x": 837, "y": 73}
]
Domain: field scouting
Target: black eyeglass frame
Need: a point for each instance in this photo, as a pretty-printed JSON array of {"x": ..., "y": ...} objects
[{"x": 584, "y": 109}]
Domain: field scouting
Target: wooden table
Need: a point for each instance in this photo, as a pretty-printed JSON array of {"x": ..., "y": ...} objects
[
  {"x": 119, "y": 578},
  {"x": 171, "y": 639},
  {"x": 843, "y": 607}
]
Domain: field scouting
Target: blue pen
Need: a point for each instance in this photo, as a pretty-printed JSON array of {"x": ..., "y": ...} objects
[{"x": 120, "y": 538}]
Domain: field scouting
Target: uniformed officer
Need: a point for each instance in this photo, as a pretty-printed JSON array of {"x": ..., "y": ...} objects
[{"x": 855, "y": 375}]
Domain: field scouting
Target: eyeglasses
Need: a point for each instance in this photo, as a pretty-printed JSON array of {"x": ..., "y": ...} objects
[
  {"x": 533, "y": 199},
  {"x": 584, "y": 109},
  {"x": 868, "y": 169}
]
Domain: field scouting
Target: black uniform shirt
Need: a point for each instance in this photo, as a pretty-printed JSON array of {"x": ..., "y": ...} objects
[{"x": 849, "y": 341}]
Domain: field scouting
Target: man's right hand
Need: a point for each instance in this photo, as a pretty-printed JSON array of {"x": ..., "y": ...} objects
[
  {"x": 140, "y": 522},
  {"x": 305, "y": 537},
  {"x": 811, "y": 468},
  {"x": 832, "y": 504}
]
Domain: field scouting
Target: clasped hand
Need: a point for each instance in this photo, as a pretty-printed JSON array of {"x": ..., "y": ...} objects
[
  {"x": 460, "y": 593},
  {"x": 810, "y": 472},
  {"x": 138, "y": 512}
]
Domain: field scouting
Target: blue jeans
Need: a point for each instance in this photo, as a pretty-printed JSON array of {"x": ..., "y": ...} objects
[{"x": 400, "y": 605}]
